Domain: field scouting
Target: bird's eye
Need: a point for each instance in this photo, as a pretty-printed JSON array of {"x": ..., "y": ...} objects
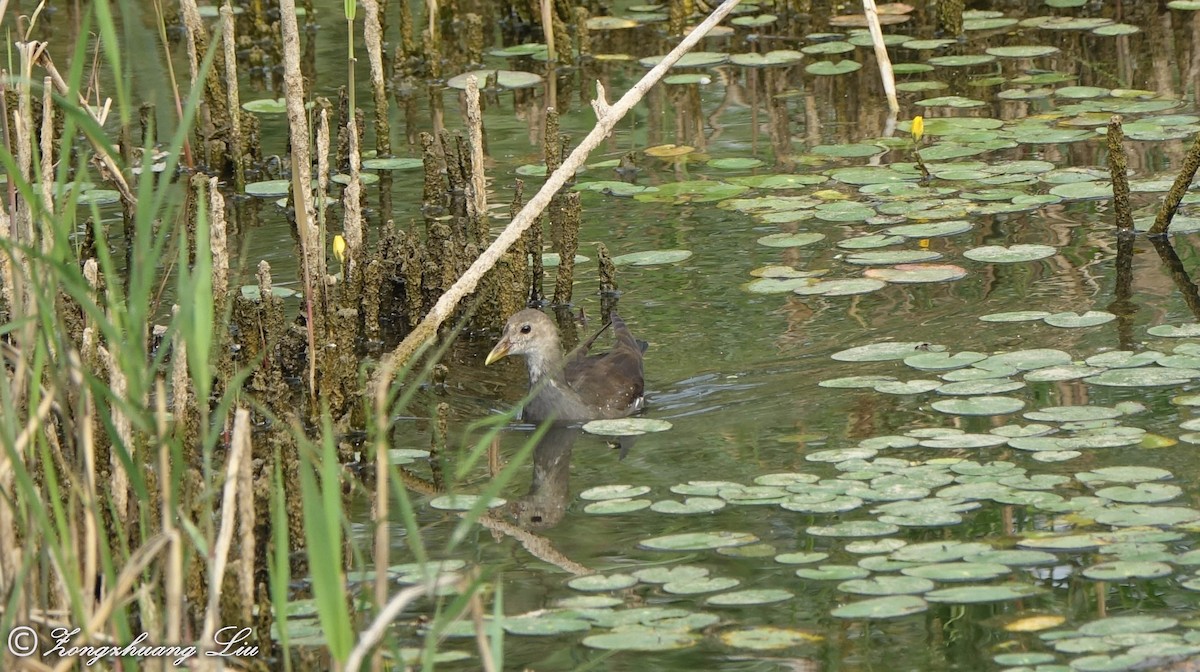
[{"x": 525, "y": 329}]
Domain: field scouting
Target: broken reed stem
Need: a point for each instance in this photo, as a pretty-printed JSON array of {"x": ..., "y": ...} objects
[
  {"x": 383, "y": 542},
  {"x": 477, "y": 187},
  {"x": 390, "y": 612},
  {"x": 548, "y": 29},
  {"x": 881, "y": 55},
  {"x": 1117, "y": 167},
  {"x": 607, "y": 117},
  {"x": 123, "y": 429},
  {"x": 237, "y": 151},
  {"x": 246, "y": 522},
  {"x": 373, "y": 36},
  {"x": 312, "y": 252},
  {"x": 239, "y": 450},
  {"x": 1170, "y": 204},
  {"x": 481, "y": 637},
  {"x": 352, "y": 204},
  {"x": 173, "y": 575}
]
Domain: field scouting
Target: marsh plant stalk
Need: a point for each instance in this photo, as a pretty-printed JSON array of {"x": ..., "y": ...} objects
[
  {"x": 881, "y": 55},
  {"x": 312, "y": 251},
  {"x": 607, "y": 117}
]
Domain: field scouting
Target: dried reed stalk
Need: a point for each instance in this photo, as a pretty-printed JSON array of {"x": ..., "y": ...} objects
[
  {"x": 477, "y": 187},
  {"x": 312, "y": 252},
  {"x": 239, "y": 450},
  {"x": 237, "y": 151},
  {"x": 173, "y": 572},
  {"x": 373, "y": 36}
]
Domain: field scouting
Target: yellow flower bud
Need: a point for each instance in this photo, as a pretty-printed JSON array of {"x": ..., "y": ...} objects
[
  {"x": 918, "y": 128},
  {"x": 339, "y": 248}
]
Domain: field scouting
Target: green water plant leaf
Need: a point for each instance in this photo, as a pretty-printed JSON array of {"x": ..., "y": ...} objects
[
  {"x": 917, "y": 273},
  {"x": 641, "y": 638},
  {"x": 767, "y": 638},
  {"x": 831, "y": 68},
  {"x": 790, "y": 239},
  {"x": 690, "y": 505},
  {"x": 879, "y": 608},
  {"x": 696, "y": 541},
  {"x": 745, "y": 598},
  {"x": 983, "y": 594},
  {"x": 989, "y": 405},
  {"x": 1090, "y": 318},
  {"x": 652, "y": 257},
  {"x": 1000, "y": 254},
  {"x": 505, "y": 79},
  {"x": 888, "y": 350}
]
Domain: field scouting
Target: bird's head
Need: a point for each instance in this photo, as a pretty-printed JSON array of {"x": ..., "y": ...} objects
[{"x": 529, "y": 333}]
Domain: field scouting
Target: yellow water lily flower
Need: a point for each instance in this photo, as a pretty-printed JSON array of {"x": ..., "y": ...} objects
[
  {"x": 339, "y": 248},
  {"x": 918, "y": 128}
]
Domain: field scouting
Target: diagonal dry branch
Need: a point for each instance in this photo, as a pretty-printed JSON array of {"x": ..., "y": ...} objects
[{"x": 606, "y": 119}]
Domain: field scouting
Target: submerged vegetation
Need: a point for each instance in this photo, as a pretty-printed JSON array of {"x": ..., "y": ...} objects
[{"x": 290, "y": 462}]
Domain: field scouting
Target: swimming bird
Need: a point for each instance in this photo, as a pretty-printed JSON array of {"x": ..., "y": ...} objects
[{"x": 575, "y": 386}]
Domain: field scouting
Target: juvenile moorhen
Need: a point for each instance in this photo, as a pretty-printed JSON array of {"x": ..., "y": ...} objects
[{"x": 576, "y": 386}]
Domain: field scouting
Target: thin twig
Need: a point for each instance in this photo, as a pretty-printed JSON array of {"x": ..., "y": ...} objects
[{"x": 395, "y": 606}]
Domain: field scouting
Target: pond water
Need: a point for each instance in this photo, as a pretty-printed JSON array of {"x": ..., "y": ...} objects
[{"x": 870, "y": 488}]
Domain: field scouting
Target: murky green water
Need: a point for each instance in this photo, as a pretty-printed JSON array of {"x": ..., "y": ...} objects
[{"x": 737, "y": 372}]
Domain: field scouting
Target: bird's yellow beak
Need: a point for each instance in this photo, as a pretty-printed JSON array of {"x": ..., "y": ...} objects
[{"x": 499, "y": 352}]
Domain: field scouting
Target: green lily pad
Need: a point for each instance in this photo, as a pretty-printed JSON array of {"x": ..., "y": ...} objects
[
  {"x": 887, "y": 585},
  {"x": 1016, "y": 316},
  {"x": 505, "y": 79},
  {"x": 462, "y": 502},
  {"x": 895, "y": 606},
  {"x": 917, "y": 273},
  {"x": 662, "y": 575},
  {"x": 544, "y": 625},
  {"x": 999, "y": 254},
  {"x": 958, "y": 571},
  {"x": 611, "y": 507},
  {"x": 1123, "y": 570},
  {"x": 696, "y": 541},
  {"x": 641, "y": 638},
  {"x": 982, "y": 594},
  {"x": 832, "y": 573},
  {"x": 790, "y": 239},
  {"x": 652, "y": 257},
  {"x": 697, "y": 586},
  {"x": 690, "y": 505},
  {"x": 269, "y": 188},
  {"x": 601, "y": 582},
  {"x": 602, "y": 492},
  {"x": 626, "y": 426},
  {"x": 1030, "y": 51},
  {"x": 736, "y": 163},
  {"x": 847, "y": 287},
  {"x": 393, "y": 164},
  {"x": 776, "y": 57},
  {"x": 879, "y": 352},
  {"x": 990, "y": 405},
  {"x": 1075, "y": 320},
  {"x": 694, "y": 59},
  {"x": 767, "y": 638},
  {"x": 831, "y": 68},
  {"x": 1143, "y": 377},
  {"x": 744, "y": 598}
]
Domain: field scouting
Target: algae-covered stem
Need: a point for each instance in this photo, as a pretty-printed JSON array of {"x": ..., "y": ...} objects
[
  {"x": 1120, "y": 181},
  {"x": 607, "y": 117},
  {"x": 1191, "y": 162}
]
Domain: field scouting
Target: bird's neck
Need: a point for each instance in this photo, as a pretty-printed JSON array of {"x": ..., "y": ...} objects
[{"x": 545, "y": 364}]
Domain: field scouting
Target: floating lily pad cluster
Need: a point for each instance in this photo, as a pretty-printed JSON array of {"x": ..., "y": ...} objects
[{"x": 978, "y": 384}]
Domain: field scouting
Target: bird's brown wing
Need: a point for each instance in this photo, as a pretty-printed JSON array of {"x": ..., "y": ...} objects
[{"x": 611, "y": 383}]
